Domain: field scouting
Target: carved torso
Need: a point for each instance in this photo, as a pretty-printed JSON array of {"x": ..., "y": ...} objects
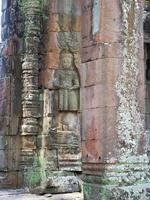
[{"x": 66, "y": 79}]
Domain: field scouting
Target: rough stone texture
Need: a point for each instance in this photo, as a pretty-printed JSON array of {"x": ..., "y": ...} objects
[
  {"x": 147, "y": 60},
  {"x": 60, "y": 81},
  {"x": 10, "y": 105},
  {"x": 115, "y": 164},
  {"x": 21, "y": 194},
  {"x": 43, "y": 89}
]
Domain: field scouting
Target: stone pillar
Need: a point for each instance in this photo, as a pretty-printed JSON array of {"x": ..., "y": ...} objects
[
  {"x": 10, "y": 95},
  {"x": 115, "y": 163},
  {"x": 30, "y": 70}
]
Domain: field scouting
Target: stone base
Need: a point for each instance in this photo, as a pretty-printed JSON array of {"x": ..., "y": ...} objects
[
  {"x": 132, "y": 192},
  {"x": 120, "y": 181},
  {"x": 60, "y": 182}
]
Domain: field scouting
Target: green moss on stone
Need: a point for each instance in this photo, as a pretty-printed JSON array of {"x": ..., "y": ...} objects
[{"x": 34, "y": 175}]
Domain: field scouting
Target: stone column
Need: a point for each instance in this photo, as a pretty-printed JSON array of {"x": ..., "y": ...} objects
[
  {"x": 115, "y": 163},
  {"x": 30, "y": 69},
  {"x": 10, "y": 95}
]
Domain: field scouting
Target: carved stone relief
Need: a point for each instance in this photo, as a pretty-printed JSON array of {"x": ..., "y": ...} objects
[{"x": 67, "y": 82}]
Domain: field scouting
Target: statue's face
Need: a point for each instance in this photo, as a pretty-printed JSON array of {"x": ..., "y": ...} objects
[{"x": 66, "y": 60}]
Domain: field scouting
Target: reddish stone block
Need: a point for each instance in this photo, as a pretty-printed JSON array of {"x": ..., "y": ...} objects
[
  {"x": 110, "y": 37},
  {"x": 110, "y": 22},
  {"x": 49, "y": 43},
  {"x": 63, "y": 22},
  {"x": 53, "y": 23},
  {"x": 10, "y": 48},
  {"x": 99, "y": 96},
  {"x": 47, "y": 78},
  {"x": 51, "y": 60},
  {"x": 92, "y": 151},
  {"x": 69, "y": 23},
  {"x": 99, "y": 134},
  {"x": 103, "y": 71},
  {"x": 90, "y": 53},
  {"x": 86, "y": 27},
  {"x": 102, "y": 50},
  {"x": 86, "y": 23},
  {"x": 53, "y": 6}
]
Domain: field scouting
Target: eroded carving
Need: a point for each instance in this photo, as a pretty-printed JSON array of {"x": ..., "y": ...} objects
[{"x": 66, "y": 80}]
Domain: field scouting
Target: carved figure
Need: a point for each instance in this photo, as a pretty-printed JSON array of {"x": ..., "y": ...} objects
[{"x": 66, "y": 80}]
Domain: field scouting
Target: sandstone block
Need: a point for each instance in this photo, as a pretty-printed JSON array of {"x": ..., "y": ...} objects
[
  {"x": 52, "y": 60},
  {"x": 3, "y": 142},
  {"x": 4, "y": 125},
  {"x": 28, "y": 142},
  {"x": 69, "y": 158},
  {"x": 50, "y": 43},
  {"x": 51, "y": 161},
  {"x": 71, "y": 7},
  {"x": 43, "y": 139},
  {"x": 13, "y": 159},
  {"x": 31, "y": 129},
  {"x": 47, "y": 78},
  {"x": 100, "y": 131},
  {"x": 3, "y": 160},
  {"x": 63, "y": 184}
]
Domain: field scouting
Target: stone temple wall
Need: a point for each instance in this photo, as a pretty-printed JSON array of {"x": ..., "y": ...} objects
[
  {"x": 71, "y": 80},
  {"x": 40, "y": 87}
]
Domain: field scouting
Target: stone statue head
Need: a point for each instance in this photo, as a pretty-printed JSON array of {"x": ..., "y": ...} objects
[{"x": 66, "y": 60}]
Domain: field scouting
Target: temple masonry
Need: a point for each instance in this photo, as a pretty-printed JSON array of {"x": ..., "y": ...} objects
[{"x": 75, "y": 97}]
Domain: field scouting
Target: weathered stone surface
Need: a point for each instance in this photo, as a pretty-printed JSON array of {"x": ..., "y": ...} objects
[
  {"x": 51, "y": 60},
  {"x": 9, "y": 84},
  {"x": 22, "y": 194},
  {"x": 112, "y": 140},
  {"x": 68, "y": 130},
  {"x": 8, "y": 179},
  {"x": 69, "y": 158},
  {"x": 40, "y": 98},
  {"x": 60, "y": 183},
  {"x": 123, "y": 193},
  {"x": 28, "y": 142},
  {"x": 3, "y": 159},
  {"x": 46, "y": 78},
  {"x": 3, "y": 142},
  {"x": 4, "y": 123},
  {"x": 60, "y": 79},
  {"x": 66, "y": 80}
]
